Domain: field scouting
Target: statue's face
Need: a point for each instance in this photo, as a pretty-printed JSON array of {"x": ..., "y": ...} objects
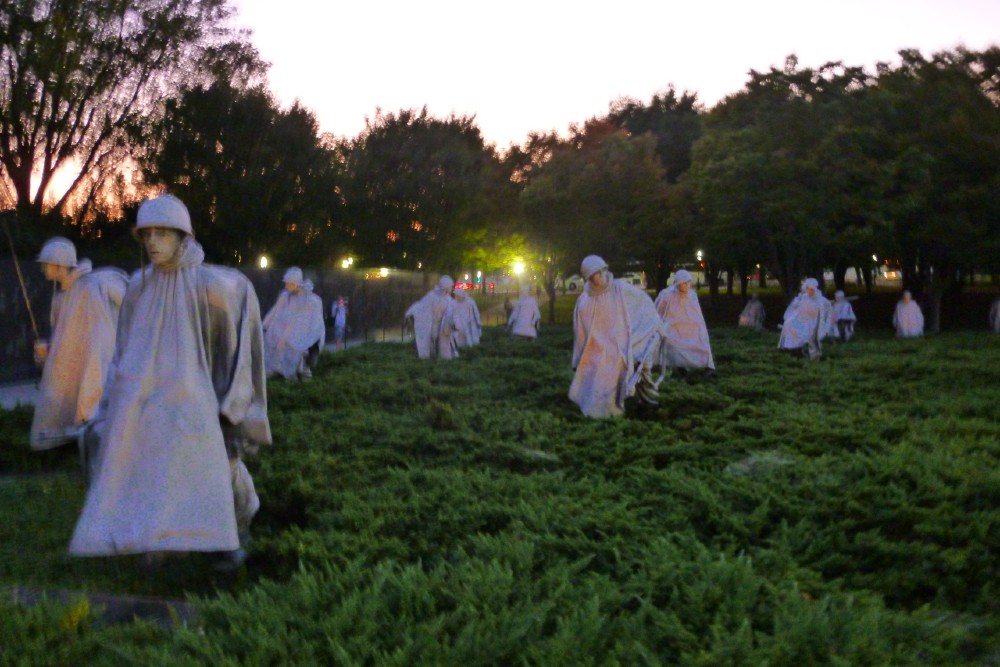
[
  {"x": 52, "y": 271},
  {"x": 684, "y": 287},
  {"x": 291, "y": 287},
  {"x": 161, "y": 243},
  {"x": 811, "y": 291},
  {"x": 598, "y": 278},
  {"x": 906, "y": 297}
]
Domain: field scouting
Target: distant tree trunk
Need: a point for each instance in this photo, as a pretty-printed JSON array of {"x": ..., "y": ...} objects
[
  {"x": 744, "y": 281},
  {"x": 729, "y": 281},
  {"x": 550, "y": 288},
  {"x": 762, "y": 277},
  {"x": 869, "y": 278},
  {"x": 935, "y": 294},
  {"x": 712, "y": 275},
  {"x": 840, "y": 275},
  {"x": 661, "y": 274}
]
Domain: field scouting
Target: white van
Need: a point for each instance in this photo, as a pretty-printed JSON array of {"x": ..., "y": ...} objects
[
  {"x": 637, "y": 278},
  {"x": 574, "y": 283}
]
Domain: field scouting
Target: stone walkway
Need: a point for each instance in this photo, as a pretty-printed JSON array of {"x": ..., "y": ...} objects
[{"x": 114, "y": 608}]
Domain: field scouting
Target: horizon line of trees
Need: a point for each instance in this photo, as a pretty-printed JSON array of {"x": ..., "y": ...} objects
[{"x": 802, "y": 170}]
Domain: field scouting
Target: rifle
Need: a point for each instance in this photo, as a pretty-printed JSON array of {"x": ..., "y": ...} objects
[{"x": 20, "y": 279}]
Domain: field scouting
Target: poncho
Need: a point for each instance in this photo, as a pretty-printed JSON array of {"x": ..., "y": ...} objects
[
  {"x": 841, "y": 311},
  {"x": 616, "y": 341},
  {"x": 292, "y": 326},
  {"x": 685, "y": 343},
  {"x": 525, "y": 317},
  {"x": 807, "y": 321},
  {"x": 187, "y": 381},
  {"x": 752, "y": 315},
  {"x": 434, "y": 325},
  {"x": 908, "y": 320},
  {"x": 468, "y": 328},
  {"x": 84, "y": 320}
]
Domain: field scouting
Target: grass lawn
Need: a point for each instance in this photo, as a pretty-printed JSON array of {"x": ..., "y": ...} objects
[{"x": 845, "y": 512}]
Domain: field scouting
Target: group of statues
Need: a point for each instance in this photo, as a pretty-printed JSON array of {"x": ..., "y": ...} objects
[
  {"x": 294, "y": 329},
  {"x": 443, "y": 322},
  {"x": 167, "y": 370},
  {"x": 811, "y": 317}
]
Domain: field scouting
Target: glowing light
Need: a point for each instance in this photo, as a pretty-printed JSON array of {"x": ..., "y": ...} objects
[
  {"x": 698, "y": 255},
  {"x": 518, "y": 268},
  {"x": 346, "y": 262},
  {"x": 383, "y": 272},
  {"x": 466, "y": 277},
  {"x": 874, "y": 258},
  {"x": 263, "y": 261},
  {"x": 420, "y": 265},
  {"x": 479, "y": 274}
]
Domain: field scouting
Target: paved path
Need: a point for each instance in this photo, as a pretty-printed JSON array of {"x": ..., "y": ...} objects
[{"x": 18, "y": 393}]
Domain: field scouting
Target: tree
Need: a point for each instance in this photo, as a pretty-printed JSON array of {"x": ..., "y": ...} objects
[
  {"x": 675, "y": 123},
  {"x": 240, "y": 163},
  {"x": 415, "y": 187},
  {"x": 599, "y": 193},
  {"x": 941, "y": 120},
  {"x": 80, "y": 76},
  {"x": 779, "y": 174}
]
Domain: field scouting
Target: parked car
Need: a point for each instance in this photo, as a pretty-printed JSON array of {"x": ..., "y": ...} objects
[{"x": 573, "y": 283}]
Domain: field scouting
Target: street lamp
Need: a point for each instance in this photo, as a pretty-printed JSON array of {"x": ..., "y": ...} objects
[
  {"x": 518, "y": 268},
  {"x": 346, "y": 262},
  {"x": 264, "y": 261}
]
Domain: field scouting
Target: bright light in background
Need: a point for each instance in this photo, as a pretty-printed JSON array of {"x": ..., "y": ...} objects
[
  {"x": 264, "y": 261},
  {"x": 698, "y": 254},
  {"x": 518, "y": 268},
  {"x": 479, "y": 274},
  {"x": 346, "y": 262},
  {"x": 383, "y": 272},
  {"x": 466, "y": 277},
  {"x": 874, "y": 258}
]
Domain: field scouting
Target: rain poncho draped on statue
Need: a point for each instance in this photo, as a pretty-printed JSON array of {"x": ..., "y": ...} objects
[
  {"x": 807, "y": 321},
  {"x": 908, "y": 319},
  {"x": 752, "y": 315},
  {"x": 685, "y": 343},
  {"x": 616, "y": 341},
  {"x": 316, "y": 330},
  {"x": 468, "y": 327},
  {"x": 292, "y": 326},
  {"x": 525, "y": 317},
  {"x": 84, "y": 318},
  {"x": 842, "y": 317},
  {"x": 187, "y": 389},
  {"x": 434, "y": 322}
]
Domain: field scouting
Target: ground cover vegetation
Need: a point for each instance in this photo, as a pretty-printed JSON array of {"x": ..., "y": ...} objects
[{"x": 842, "y": 512}]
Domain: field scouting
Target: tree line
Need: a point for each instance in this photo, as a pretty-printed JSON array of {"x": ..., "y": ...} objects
[{"x": 803, "y": 169}]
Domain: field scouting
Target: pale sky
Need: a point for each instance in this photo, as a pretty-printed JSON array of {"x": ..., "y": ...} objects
[{"x": 524, "y": 65}]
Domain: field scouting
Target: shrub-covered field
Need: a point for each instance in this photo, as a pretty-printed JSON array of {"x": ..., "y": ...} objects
[{"x": 845, "y": 512}]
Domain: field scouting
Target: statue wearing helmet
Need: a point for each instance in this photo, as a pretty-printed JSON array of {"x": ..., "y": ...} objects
[
  {"x": 186, "y": 398},
  {"x": 434, "y": 325},
  {"x": 84, "y": 318},
  {"x": 617, "y": 336},
  {"x": 292, "y": 328}
]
